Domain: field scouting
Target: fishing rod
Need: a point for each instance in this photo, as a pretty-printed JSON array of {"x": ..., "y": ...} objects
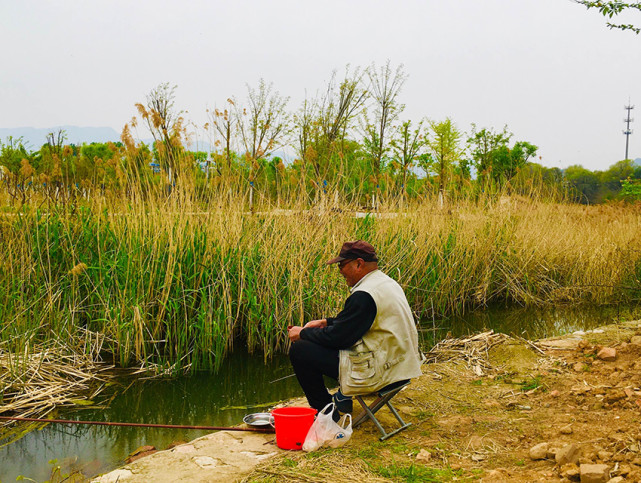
[
  {"x": 281, "y": 378},
  {"x": 136, "y": 425}
]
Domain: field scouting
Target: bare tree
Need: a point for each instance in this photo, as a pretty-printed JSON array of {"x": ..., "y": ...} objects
[
  {"x": 223, "y": 124},
  {"x": 164, "y": 123},
  {"x": 264, "y": 123},
  {"x": 340, "y": 105},
  {"x": 303, "y": 125},
  {"x": 384, "y": 87},
  {"x": 322, "y": 123}
]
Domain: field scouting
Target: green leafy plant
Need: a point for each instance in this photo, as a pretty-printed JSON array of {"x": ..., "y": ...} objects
[{"x": 611, "y": 9}]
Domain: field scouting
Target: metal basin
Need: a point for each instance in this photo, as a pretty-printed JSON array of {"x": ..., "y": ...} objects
[{"x": 259, "y": 420}]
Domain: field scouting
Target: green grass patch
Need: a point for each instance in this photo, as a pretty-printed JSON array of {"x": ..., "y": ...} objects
[
  {"x": 413, "y": 473},
  {"x": 290, "y": 463},
  {"x": 530, "y": 384}
]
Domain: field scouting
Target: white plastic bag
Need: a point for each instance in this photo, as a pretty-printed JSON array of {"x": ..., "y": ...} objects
[
  {"x": 344, "y": 432},
  {"x": 325, "y": 431}
]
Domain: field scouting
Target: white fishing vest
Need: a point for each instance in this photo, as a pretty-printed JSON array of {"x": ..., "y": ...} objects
[{"x": 388, "y": 352}]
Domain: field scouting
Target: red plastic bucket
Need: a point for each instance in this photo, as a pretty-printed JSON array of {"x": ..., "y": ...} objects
[{"x": 292, "y": 425}]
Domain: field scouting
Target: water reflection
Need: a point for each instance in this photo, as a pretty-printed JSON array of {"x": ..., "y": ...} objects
[
  {"x": 528, "y": 322},
  {"x": 242, "y": 386}
]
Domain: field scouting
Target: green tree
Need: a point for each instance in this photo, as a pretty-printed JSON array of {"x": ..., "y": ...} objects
[
  {"x": 16, "y": 171},
  {"x": 445, "y": 152},
  {"x": 551, "y": 175},
  {"x": 483, "y": 145},
  {"x": 493, "y": 158},
  {"x": 408, "y": 144},
  {"x": 91, "y": 157},
  {"x": 616, "y": 173},
  {"x": 322, "y": 126},
  {"x": 49, "y": 162},
  {"x": 631, "y": 190},
  {"x": 584, "y": 183},
  {"x": 611, "y": 179},
  {"x": 507, "y": 162},
  {"x": 12, "y": 152}
]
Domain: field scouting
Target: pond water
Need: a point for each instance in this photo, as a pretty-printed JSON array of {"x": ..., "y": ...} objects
[
  {"x": 528, "y": 322},
  {"x": 242, "y": 386}
]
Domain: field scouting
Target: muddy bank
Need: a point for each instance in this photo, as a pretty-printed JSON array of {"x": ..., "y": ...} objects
[{"x": 492, "y": 408}]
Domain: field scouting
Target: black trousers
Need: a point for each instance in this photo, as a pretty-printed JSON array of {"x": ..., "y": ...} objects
[{"x": 311, "y": 362}]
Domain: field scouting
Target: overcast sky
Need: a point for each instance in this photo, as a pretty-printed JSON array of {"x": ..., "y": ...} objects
[{"x": 549, "y": 69}]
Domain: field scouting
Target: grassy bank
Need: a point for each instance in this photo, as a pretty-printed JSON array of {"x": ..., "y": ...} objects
[{"x": 177, "y": 282}]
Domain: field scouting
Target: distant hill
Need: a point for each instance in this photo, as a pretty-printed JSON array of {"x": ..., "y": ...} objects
[{"x": 33, "y": 138}]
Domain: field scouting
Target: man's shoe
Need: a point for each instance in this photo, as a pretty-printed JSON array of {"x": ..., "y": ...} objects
[{"x": 342, "y": 403}]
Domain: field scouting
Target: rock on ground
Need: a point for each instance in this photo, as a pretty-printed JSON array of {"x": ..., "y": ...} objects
[
  {"x": 539, "y": 452},
  {"x": 566, "y": 429},
  {"x": 594, "y": 473},
  {"x": 567, "y": 454},
  {"x": 424, "y": 456},
  {"x": 570, "y": 471},
  {"x": 607, "y": 354}
]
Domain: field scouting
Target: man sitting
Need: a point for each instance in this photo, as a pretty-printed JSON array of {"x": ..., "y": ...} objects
[{"x": 371, "y": 343}]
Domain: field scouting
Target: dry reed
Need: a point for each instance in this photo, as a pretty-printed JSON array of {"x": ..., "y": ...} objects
[
  {"x": 321, "y": 468},
  {"x": 472, "y": 350},
  {"x": 36, "y": 382},
  {"x": 177, "y": 281}
]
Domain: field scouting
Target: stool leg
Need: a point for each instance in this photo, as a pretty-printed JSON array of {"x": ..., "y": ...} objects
[
  {"x": 404, "y": 425},
  {"x": 369, "y": 414},
  {"x": 395, "y": 413},
  {"x": 362, "y": 416},
  {"x": 374, "y": 407}
]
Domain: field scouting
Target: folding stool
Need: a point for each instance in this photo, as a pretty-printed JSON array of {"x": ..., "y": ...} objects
[{"x": 384, "y": 397}]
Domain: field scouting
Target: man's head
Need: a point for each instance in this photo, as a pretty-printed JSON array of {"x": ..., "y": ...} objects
[{"x": 355, "y": 260}]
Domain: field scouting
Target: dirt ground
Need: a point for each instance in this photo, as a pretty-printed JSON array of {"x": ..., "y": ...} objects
[{"x": 478, "y": 415}]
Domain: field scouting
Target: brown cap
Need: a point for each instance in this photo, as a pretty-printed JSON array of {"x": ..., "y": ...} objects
[{"x": 355, "y": 249}]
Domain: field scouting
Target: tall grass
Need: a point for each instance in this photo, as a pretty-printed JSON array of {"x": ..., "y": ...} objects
[{"x": 177, "y": 281}]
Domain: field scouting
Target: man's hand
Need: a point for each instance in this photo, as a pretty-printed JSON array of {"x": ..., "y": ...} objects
[
  {"x": 316, "y": 323},
  {"x": 294, "y": 333}
]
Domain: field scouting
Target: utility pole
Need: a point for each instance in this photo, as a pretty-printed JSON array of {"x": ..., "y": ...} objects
[{"x": 627, "y": 122}]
